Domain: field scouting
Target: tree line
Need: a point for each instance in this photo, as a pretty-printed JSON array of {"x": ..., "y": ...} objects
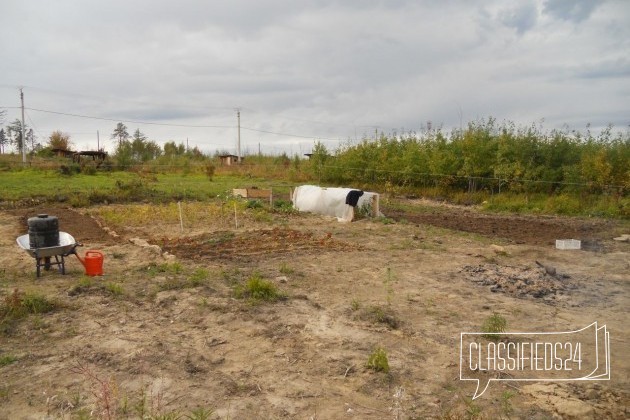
[
  {"x": 130, "y": 149},
  {"x": 485, "y": 156}
]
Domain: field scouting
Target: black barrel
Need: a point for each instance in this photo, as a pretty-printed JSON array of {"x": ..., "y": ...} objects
[{"x": 43, "y": 231}]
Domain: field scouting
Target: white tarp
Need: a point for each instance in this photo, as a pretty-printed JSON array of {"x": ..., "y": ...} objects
[{"x": 332, "y": 202}]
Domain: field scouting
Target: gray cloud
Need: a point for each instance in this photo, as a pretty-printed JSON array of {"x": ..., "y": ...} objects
[
  {"x": 522, "y": 17},
  {"x": 571, "y": 10},
  {"x": 321, "y": 69}
]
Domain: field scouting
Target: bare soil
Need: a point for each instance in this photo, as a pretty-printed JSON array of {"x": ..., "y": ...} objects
[
  {"x": 172, "y": 336},
  {"x": 521, "y": 229}
]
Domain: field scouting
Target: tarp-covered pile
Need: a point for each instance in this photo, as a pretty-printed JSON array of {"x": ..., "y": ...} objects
[{"x": 338, "y": 202}]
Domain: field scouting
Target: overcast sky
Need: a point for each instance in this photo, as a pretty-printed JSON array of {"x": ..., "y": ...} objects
[{"x": 307, "y": 70}]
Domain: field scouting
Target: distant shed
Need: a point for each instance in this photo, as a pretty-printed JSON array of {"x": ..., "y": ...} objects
[
  {"x": 63, "y": 153},
  {"x": 229, "y": 160},
  {"x": 99, "y": 155}
]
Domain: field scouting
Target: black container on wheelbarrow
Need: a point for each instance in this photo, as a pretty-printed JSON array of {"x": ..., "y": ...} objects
[{"x": 43, "y": 231}]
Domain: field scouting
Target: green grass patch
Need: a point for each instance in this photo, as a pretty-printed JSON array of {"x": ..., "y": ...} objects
[
  {"x": 198, "y": 277},
  {"x": 598, "y": 205},
  {"x": 115, "y": 289},
  {"x": 257, "y": 289},
  {"x": 7, "y": 360},
  {"x": 165, "y": 268},
  {"x": 19, "y": 305}
]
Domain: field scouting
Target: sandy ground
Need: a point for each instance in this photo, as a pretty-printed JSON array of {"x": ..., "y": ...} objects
[{"x": 161, "y": 343}]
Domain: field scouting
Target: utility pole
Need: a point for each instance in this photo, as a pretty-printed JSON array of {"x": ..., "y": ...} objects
[
  {"x": 23, "y": 135},
  {"x": 98, "y": 142},
  {"x": 238, "y": 148}
]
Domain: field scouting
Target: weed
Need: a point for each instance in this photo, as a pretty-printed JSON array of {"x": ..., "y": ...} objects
[
  {"x": 7, "y": 360},
  {"x": 168, "y": 268},
  {"x": 472, "y": 409},
  {"x": 232, "y": 276},
  {"x": 378, "y": 360},
  {"x": 285, "y": 269},
  {"x": 115, "y": 289},
  {"x": 389, "y": 289},
  {"x": 254, "y": 204},
  {"x": 506, "y": 404},
  {"x": 84, "y": 285},
  {"x": 385, "y": 220},
  {"x": 198, "y": 277},
  {"x": 355, "y": 305},
  {"x": 5, "y": 391},
  {"x": 378, "y": 314},
  {"x": 257, "y": 289},
  {"x": 17, "y": 305},
  {"x": 200, "y": 413},
  {"x": 173, "y": 283},
  {"x": 283, "y": 206},
  {"x": 104, "y": 390},
  {"x": 493, "y": 326}
]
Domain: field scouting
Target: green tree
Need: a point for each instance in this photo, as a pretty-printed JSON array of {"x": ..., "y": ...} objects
[
  {"x": 14, "y": 131},
  {"x": 4, "y": 140},
  {"x": 120, "y": 133},
  {"x": 142, "y": 149},
  {"x": 171, "y": 149}
]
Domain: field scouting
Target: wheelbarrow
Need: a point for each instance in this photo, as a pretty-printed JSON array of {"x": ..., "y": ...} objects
[{"x": 67, "y": 246}]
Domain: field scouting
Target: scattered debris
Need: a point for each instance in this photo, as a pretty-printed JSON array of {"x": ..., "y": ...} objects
[
  {"x": 252, "y": 245},
  {"x": 522, "y": 282},
  {"x": 548, "y": 268}
]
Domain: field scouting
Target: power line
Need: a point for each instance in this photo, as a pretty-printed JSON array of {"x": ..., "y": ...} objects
[
  {"x": 289, "y": 135},
  {"x": 177, "y": 125},
  {"x": 129, "y": 121}
]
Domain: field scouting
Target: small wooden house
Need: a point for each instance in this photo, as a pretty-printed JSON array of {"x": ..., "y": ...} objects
[{"x": 229, "y": 160}]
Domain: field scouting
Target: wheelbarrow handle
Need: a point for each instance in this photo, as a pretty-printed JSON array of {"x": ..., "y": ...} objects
[{"x": 73, "y": 250}]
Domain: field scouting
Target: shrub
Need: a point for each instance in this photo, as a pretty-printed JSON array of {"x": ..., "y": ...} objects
[
  {"x": 210, "y": 168},
  {"x": 493, "y": 326},
  {"x": 70, "y": 169},
  {"x": 378, "y": 360}
]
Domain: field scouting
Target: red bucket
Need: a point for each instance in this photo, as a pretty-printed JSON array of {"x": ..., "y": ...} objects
[{"x": 93, "y": 263}]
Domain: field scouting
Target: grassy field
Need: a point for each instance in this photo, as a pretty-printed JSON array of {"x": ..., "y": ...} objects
[{"x": 81, "y": 190}]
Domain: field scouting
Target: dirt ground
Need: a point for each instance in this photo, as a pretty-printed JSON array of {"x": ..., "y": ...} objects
[{"x": 162, "y": 332}]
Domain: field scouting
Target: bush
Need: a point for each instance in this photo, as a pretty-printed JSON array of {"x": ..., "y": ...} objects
[
  {"x": 69, "y": 170},
  {"x": 378, "y": 360},
  {"x": 493, "y": 326},
  {"x": 210, "y": 168}
]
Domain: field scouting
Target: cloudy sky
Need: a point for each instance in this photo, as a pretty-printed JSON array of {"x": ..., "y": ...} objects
[{"x": 310, "y": 70}]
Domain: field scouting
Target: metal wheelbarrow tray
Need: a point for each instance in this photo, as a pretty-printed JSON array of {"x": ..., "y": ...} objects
[{"x": 67, "y": 246}]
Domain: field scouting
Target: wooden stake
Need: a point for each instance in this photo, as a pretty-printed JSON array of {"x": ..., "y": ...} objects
[{"x": 181, "y": 220}]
